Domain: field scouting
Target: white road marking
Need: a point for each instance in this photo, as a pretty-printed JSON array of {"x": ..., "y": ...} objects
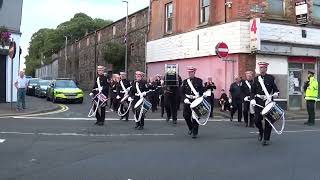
[
  {"x": 89, "y": 135},
  {"x": 296, "y": 131},
  {"x": 2, "y": 140}
]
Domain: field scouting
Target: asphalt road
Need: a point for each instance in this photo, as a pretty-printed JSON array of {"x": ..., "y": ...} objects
[{"x": 55, "y": 146}]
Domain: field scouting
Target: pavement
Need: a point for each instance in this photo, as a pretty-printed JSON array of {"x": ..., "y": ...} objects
[{"x": 34, "y": 105}]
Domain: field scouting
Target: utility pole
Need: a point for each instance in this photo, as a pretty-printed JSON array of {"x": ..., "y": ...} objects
[{"x": 126, "y": 39}]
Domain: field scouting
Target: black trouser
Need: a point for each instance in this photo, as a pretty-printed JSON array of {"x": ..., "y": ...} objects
[
  {"x": 116, "y": 104},
  {"x": 211, "y": 101},
  {"x": 266, "y": 132},
  {"x": 170, "y": 100},
  {"x": 192, "y": 123},
  {"x": 154, "y": 102},
  {"x": 310, "y": 109},
  {"x": 162, "y": 105},
  {"x": 246, "y": 112},
  {"x": 136, "y": 112},
  {"x": 236, "y": 106},
  {"x": 100, "y": 116}
]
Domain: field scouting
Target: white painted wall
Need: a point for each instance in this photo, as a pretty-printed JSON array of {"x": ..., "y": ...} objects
[
  {"x": 15, "y": 61},
  {"x": 277, "y": 64},
  {"x": 289, "y": 34},
  {"x": 184, "y": 45},
  {"x": 236, "y": 35}
]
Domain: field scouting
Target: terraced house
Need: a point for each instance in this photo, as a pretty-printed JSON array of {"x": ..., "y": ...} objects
[{"x": 284, "y": 33}]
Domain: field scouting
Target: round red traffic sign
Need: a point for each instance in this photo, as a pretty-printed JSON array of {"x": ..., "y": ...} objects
[{"x": 222, "y": 50}]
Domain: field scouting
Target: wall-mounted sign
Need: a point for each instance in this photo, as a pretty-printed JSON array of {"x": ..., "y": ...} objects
[
  {"x": 255, "y": 40},
  {"x": 301, "y": 12},
  {"x": 257, "y": 9}
]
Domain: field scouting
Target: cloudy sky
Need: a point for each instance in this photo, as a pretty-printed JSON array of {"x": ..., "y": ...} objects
[{"x": 37, "y": 14}]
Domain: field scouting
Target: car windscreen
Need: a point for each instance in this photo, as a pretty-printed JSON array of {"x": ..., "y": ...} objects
[
  {"x": 33, "y": 82},
  {"x": 44, "y": 83},
  {"x": 65, "y": 84}
]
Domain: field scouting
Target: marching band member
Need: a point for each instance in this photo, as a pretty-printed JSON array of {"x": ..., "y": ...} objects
[
  {"x": 266, "y": 83},
  {"x": 236, "y": 96},
  {"x": 192, "y": 88},
  {"x": 122, "y": 90},
  {"x": 104, "y": 88},
  {"x": 246, "y": 90},
  {"x": 153, "y": 96},
  {"x": 210, "y": 86},
  {"x": 137, "y": 91},
  {"x": 171, "y": 100},
  {"x": 114, "y": 85}
]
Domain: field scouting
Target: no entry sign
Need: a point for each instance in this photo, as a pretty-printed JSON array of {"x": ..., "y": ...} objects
[{"x": 222, "y": 50}]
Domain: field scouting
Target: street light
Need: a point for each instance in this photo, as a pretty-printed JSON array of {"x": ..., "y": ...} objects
[{"x": 126, "y": 40}]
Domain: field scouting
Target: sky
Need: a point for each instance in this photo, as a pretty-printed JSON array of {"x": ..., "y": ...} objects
[{"x": 37, "y": 14}]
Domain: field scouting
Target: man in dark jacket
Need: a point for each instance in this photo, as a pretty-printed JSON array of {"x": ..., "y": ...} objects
[
  {"x": 236, "y": 97},
  {"x": 246, "y": 91}
]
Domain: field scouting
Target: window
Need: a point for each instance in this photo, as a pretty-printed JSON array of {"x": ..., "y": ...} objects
[
  {"x": 132, "y": 49},
  {"x": 169, "y": 17},
  {"x": 204, "y": 10},
  {"x": 133, "y": 22},
  {"x": 316, "y": 10},
  {"x": 276, "y": 7},
  {"x": 114, "y": 30}
]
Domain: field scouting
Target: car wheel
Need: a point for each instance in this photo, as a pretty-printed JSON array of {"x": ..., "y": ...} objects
[
  {"x": 48, "y": 99},
  {"x": 80, "y": 101},
  {"x": 54, "y": 100}
]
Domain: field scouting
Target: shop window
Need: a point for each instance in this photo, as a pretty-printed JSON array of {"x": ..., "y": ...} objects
[
  {"x": 308, "y": 66},
  {"x": 295, "y": 65},
  {"x": 169, "y": 17},
  {"x": 276, "y": 7},
  {"x": 316, "y": 10},
  {"x": 204, "y": 10}
]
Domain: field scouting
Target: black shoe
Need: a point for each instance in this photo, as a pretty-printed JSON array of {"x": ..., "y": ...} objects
[
  {"x": 265, "y": 143},
  {"x": 137, "y": 126},
  {"x": 174, "y": 122},
  {"x": 231, "y": 119},
  {"x": 189, "y": 132},
  {"x": 100, "y": 123},
  {"x": 311, "y": 124},
  {"x": 167, "y": 119},
  {"x": 252, "y": 126},
  {"x": 306, "y": 123},
  {"x": 260, "y": 137},
  {"x": 127, "y": 119},
  {"x": 140, "y": 128},
  {"x": 194, "y": 136},
  {"x": 121, "y": 118},
  {"x": 246, "y": 124},
  {"x": 96, "y": 123}
]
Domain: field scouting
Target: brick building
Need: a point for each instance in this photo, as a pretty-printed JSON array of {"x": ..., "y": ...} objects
[
  {"x": 77, "y": 60},
  {"x": 255, "y": 30}
]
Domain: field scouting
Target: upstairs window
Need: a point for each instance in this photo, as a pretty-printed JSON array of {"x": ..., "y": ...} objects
[
  {"x": 204, "y": 10},
  {"x": 169, "y": 17},
  {"x": 316, "y": 10},
  {"x": 276, "y": 7}
]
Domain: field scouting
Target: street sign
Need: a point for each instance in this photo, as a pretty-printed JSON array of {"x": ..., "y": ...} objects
[
  {"x": 12, "y": 50},
  {"x": 222, "y": 50},
  {"x": 255, "y": 41},
  {"x": 301, "y": 12}
]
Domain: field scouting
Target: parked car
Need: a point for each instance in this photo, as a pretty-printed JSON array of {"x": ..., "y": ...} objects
[
  {"x": 32, "y": 83},
  {"x": 41, "y": 88},
  {"x": 64, "y": 90}
]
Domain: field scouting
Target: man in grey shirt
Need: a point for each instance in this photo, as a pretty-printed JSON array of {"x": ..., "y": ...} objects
[{"x": 21, "y": 84}]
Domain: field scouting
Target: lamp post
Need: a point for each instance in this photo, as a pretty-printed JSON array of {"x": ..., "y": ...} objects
[
  {"x": 126, "y": 40},
  {"x": 66, "y": 56}
]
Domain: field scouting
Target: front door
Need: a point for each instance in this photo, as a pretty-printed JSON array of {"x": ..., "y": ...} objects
[
  {"x": 295, "y": 89},
  {"x": 2, "y": 79}
]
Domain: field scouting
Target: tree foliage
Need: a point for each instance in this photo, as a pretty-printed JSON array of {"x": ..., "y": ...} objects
[
  {"x": 46, "y": 41},
  {"x": 114, "y": 53}
]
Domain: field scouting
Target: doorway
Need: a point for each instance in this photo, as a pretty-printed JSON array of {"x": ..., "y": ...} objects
[{"x": 3, "y": 78}]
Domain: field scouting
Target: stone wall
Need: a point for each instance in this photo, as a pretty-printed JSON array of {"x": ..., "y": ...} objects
[{"x": 79, "y": 64}]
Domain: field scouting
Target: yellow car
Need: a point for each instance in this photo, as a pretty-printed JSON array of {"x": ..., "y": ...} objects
[{"x": 64, "y": 90}]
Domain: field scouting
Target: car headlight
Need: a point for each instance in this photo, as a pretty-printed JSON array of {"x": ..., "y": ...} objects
[{"x": 29, "y": 86}]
